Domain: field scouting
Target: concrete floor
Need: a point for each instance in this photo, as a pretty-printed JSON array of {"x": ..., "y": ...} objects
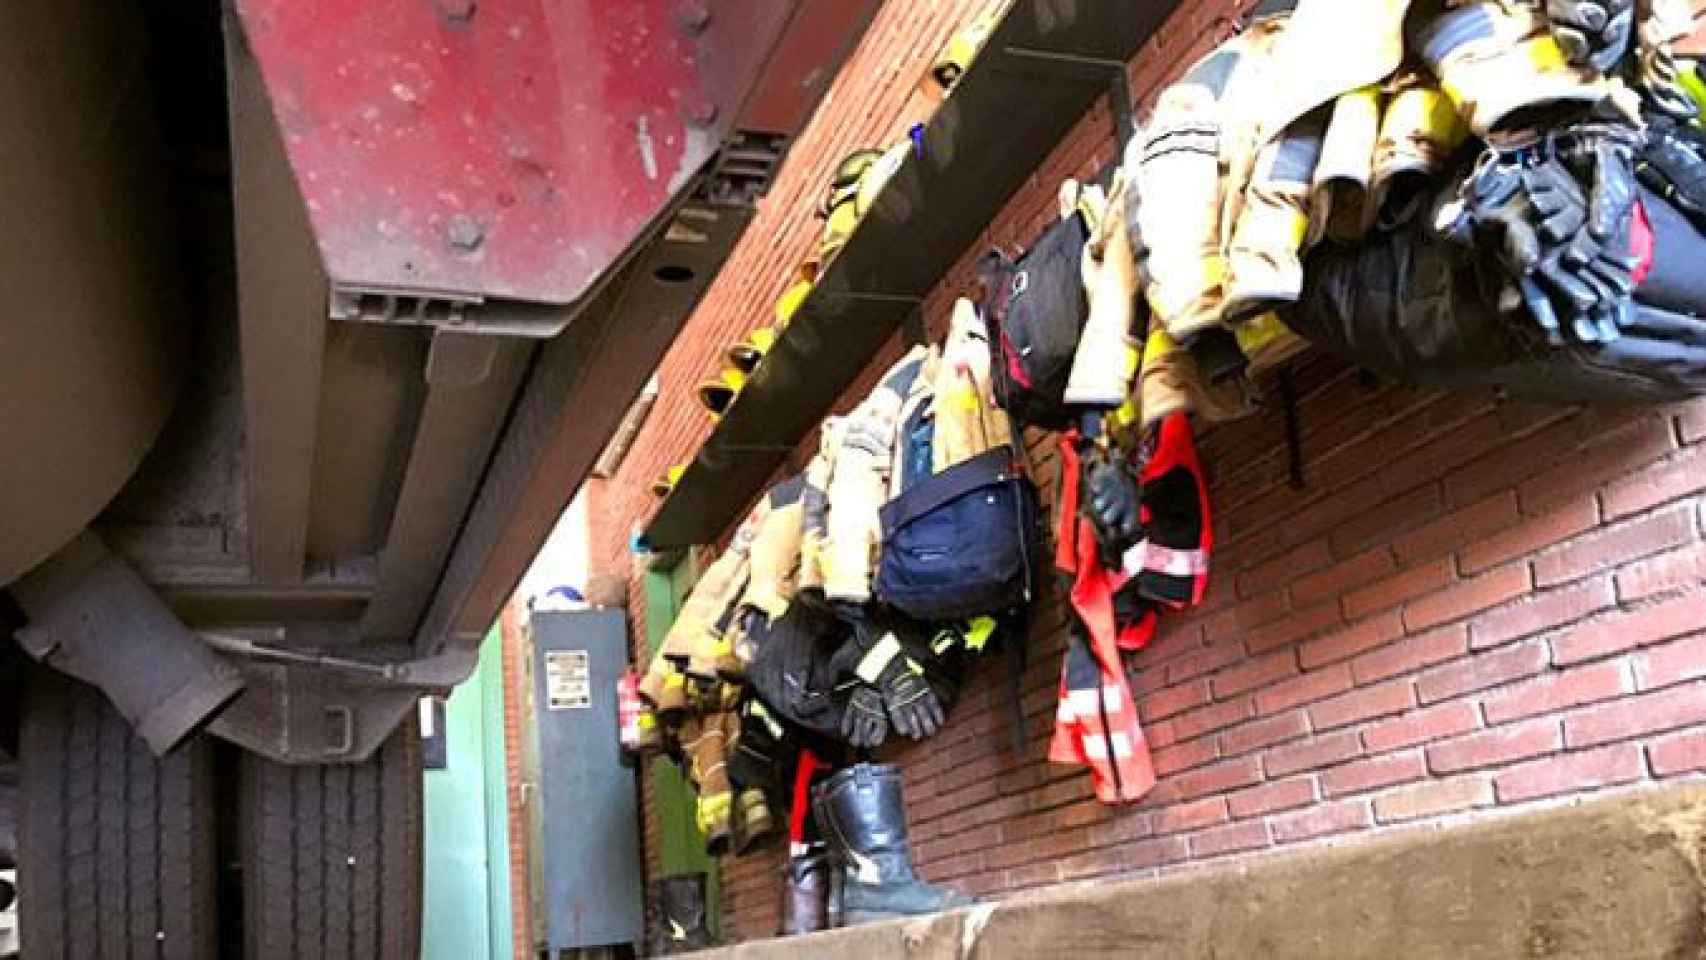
[{"x": 1623, "y": 877}]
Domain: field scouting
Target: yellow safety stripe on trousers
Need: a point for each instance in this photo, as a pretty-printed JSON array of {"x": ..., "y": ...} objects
[
  {"x": 1259, "y": 333},
  {"x": 873, "y": 663},
  {"x": 712, "y": 810},
  {"x": 1423, "y": 110},
  {"x": 1542, "y": 53}
]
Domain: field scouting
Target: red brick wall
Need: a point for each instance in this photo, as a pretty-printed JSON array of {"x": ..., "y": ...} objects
[{"x": 1470, "y": 605}]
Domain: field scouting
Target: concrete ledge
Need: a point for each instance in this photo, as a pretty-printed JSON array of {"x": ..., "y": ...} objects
[{"x": 1615, "y": 878}]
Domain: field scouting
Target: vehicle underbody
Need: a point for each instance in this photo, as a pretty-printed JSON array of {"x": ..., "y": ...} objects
[{"x": 321, "y": 312}]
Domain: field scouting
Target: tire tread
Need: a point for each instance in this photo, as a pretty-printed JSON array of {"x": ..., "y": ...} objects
[
  {"x": 117, "y": 846},
  {"x": 332, "y": 856}
]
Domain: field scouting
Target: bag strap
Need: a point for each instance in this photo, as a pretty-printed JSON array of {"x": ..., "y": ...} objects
[
  {"x": 987, "y": 468},
  {"x": 1019, "y": 640}
]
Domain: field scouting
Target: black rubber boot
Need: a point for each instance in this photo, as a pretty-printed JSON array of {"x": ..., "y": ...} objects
[
  {"x": 864, "y": 818},
  {"x": 805, "y": 892},
  {"x": 681, "y": 909}
]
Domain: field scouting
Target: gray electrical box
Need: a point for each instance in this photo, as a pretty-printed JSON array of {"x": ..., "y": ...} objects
[{"x": 588, "y": 799}]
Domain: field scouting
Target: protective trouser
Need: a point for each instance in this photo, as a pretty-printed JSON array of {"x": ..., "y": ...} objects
[
  {"x": 1263, "y": 269},
  {"x": 1419, "y": 131},
  {"x": 1106, "y": 361},
  {"x": 967, "y": 422},
  {"x": 859, "y": 485},
  {"x": 705, "y": 742},
  {"x": 1339, "y": 208},
  {"x": 1328, "y": 48},
  {"x": 1169, "y": 382},
  {"x": 1496, "y": 58}
]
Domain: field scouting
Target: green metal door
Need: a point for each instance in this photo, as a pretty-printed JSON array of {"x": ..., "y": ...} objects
[{"x": 681, "y": 848}]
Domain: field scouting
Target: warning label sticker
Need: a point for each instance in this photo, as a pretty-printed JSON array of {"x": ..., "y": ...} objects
[{"x": 568, "y": 680}]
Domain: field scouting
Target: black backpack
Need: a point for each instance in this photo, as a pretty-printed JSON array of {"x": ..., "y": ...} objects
[{"x": 1035, "y": 309}]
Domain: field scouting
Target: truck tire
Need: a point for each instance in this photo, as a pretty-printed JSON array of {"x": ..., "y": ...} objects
[
  {"x": 332, "y": 856},
  {"x": 115, "y": 847}
]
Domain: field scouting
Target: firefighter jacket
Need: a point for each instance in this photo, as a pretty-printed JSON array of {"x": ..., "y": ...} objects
[
  {"x": 701, "y": 638},
  {"x": 931, "y": 410},
  {"x": 864, "y": 470},
  {"x": 774, "y": 557}
]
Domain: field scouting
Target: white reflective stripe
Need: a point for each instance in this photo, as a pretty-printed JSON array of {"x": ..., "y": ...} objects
[
  {"x": 1153, "y": 557},
  {"x": 1083, "y": 703},
  {"x": 1096, "y": 747}
]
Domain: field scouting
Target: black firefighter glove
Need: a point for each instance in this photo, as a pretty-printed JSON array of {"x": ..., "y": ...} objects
[
  {"x": 888, "y": 684},
  {"x": 1114, "y": 503},
  {"x": 1594, "y": 32},
  {"x": 1565, "y": 248},
  {"x": 1673, "y": 165}
]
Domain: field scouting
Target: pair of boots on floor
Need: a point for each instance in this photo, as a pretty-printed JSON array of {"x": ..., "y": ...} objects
[{"x": 862, "y": 870}]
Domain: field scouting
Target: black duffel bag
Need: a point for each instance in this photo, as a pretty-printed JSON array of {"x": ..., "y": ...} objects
[
  {"x": 960, "y": 543},
  {"x": 1421, "y": 310}
]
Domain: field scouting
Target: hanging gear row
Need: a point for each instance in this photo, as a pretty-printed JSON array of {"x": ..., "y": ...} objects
[
  {"x": 847, "y": 602},
  {"x": 1485, "y": 193}
]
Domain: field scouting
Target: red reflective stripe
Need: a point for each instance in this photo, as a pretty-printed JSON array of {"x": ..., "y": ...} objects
[
  {"x": 1014, "y": 371},
  {"x": 1066, "y": 526},
  {"x": 803, "y": 774}
]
